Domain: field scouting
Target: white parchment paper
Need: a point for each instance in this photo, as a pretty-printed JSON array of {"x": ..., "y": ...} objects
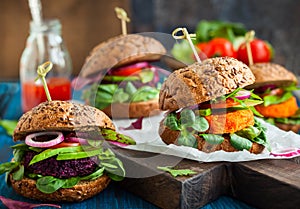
[{"x": 148, "y": 140}]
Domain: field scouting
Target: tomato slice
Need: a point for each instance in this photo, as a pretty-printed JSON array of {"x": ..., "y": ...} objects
[
  {"x": 220, "y": 105},
  {"x": 126, "y": 72},
  {"x": 65, "y": 144}
]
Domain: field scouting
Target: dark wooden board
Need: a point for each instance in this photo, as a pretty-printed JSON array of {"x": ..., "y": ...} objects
[{"x": 262, "y": 183}]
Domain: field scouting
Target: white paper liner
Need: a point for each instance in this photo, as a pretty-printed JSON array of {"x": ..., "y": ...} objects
[{"x": 148, "y": 140}]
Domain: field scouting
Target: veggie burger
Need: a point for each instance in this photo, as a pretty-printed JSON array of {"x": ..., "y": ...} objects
[
  {"x": 128, "y": 85},
  {"x": 63, "y": 157},
  {"x": 275, "y": 85},
  {"x": 207, "y": 107}
]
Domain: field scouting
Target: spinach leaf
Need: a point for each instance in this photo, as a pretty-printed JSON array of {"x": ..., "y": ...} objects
[
  {"x": 8, "y": 167},
  {"x": 187, "y": 117},
  {"x": 187, "y": 139},
  {"x": 274, "y": 99},
  {"x": 250, "y": 132},
  {"x": 213, "y": 138},
  {"x": 239, "y": 142},
  {"x": 70, "y": 182},
  {"x": 146, "y": 76},
  {"x": 130, "y": 88},
  {"x": 94, "y": 175},
  {"x": 200, "y": 124},
  {"x": 49, "y": 184},
  {"x": 18, "y": 174},
  {"x": 172, "y": 122},
  {"x": 145, "y": 93}
]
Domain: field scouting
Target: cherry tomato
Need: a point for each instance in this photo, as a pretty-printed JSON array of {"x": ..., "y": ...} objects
[
  {"x": 261, "y": 52},
  {"x": 218, "y": 47},
  {"x": 65, "y": 144}
]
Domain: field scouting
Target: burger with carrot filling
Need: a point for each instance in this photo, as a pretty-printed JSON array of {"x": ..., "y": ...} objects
[
  {"x": 275, "y": 85},
  {"x": 208, "y": 109},
  {"x": 63, "y": 157}
]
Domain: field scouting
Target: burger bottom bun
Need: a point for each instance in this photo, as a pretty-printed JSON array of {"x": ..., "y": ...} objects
[
  {"x": 170, "y": 137},
  {"x": 132, "y": 110},
  {"x": 289, "y": 127},
  {"x": 82, "y": 191}
]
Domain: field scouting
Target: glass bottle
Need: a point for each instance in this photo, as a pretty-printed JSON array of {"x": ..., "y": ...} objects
[{"x": 45, "y": 43}]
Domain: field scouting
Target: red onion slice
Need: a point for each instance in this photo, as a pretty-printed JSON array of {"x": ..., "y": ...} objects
[
  {"x": 44, "y": 139},
  {"x": 76, "y": 140},
  {"x": 286, "y": 152},
  {"x": 243, "y": 94}
]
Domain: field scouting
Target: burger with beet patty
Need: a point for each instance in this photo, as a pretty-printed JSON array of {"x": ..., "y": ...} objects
[
  {"x": 125, "y": 81},
  {"x": 208, "y": 109},
  {"x": 64, "y": 157},
  {"x": 275, "y": 85}
]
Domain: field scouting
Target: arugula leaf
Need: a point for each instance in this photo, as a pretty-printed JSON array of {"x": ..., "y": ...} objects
[
  {"x": 112, "y": 135},
  {"x": 177, "y": 172}
]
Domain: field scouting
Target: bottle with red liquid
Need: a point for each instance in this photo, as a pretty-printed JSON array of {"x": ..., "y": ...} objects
[{"x": 45, "y": 43}]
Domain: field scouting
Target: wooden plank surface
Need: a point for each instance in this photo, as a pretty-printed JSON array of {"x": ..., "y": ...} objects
[{"x": 261, "y": 183}]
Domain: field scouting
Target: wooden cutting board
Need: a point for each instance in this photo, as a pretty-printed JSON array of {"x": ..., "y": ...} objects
[{"x": 262, "y": 183}]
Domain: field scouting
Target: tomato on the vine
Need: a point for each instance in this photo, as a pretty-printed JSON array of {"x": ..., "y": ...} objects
[
  {"x": 218, "y": 47},
  {"x": 261, "y": 52}
]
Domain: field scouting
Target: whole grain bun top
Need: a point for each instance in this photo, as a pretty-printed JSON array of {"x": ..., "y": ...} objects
[
  {"x": 271, "y": 73},
  {"x": 204, "y": 81},
  {"x": 61, "y": 116},
  {"x": 121, "y": 50}
]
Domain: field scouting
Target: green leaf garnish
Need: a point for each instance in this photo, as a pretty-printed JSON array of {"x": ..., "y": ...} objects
[
  {"x": 9, "y": 126},
  {"x": 177, "y": 172},
  {"x": 239, "y": 142},
  {"x": 213, "y": 138}
]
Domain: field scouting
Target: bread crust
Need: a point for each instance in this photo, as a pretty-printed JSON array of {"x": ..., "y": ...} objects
[
  {"x": 132, "y": 110},
  {"x": 170, "y": 137},
  {"x": 61, "y": 116},
  {"x": 204, "y": 81},
  {"x": 271, "y": 73},
  {"x": 289, "y": 127},
  {"x": 122, "y": 50},
  {"x": 82, "y": 191}
]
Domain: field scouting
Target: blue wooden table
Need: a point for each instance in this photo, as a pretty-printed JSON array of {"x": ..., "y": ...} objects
[{"x": 112, "y": 197}]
